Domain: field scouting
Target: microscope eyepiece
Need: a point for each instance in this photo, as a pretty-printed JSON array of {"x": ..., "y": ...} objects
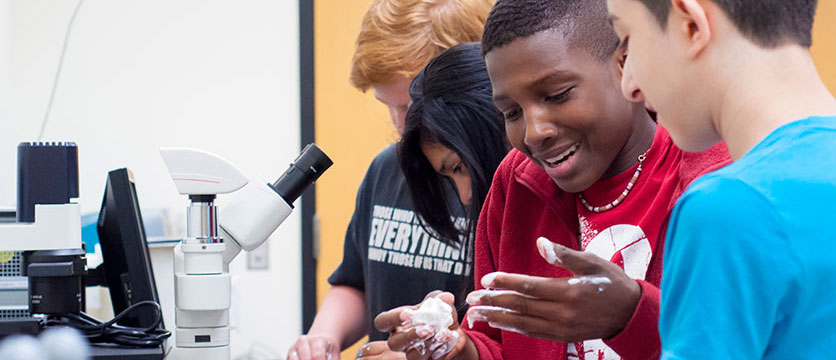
[{"x": 303, "y": 172}]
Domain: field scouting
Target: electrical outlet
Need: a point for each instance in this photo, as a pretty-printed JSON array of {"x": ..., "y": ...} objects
[{"x": 259, "y": 259}]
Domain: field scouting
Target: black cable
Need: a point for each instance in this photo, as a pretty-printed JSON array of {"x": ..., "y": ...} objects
[
  {"x": 111, "y": 332},
  {"x": 60, "y": 66}
]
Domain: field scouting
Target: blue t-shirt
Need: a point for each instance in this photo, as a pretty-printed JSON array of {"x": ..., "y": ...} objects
[{"x": 750, "y": 264}]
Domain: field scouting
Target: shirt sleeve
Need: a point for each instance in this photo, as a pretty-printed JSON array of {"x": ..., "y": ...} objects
[
  {"x": 350, "y": 271},
  {"x": 488, "y": 233},
  {"x": 640, "y": 338},
  {"x": 727, "y": 270}
]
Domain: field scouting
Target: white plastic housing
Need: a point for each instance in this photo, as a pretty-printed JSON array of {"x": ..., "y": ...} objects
[
  {"x": 201, "y": 319},
  {"x": 252, "y": 214},
  {"x": 198, "y": 172},
  {"x": 216, "y": 336},
  {"x": 55, "y": 227},
  {"x": 201, "y": 259},
  {"x": 203, "y": 353},
  {"x": 206, "y": 353},
  {"x": 232, "y": 248},
  {"x": 202, "y": 292}
]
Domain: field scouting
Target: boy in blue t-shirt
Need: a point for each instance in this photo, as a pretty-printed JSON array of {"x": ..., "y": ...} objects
[{"x": 749, "y": 265}]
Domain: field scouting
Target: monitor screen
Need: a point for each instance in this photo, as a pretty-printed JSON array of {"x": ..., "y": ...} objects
[{"x": 127, "y": 263}]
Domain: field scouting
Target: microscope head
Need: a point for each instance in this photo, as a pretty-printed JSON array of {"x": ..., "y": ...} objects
[
  {"x": 255, "y": 209},
  {"x": 197, "y": 172}
]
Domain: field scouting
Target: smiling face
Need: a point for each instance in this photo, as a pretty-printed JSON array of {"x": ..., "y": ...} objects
[
  {"x": 668, "y": 78},
  {"x": 563, "y": 109},
  {"x": 395, "y": 96}
]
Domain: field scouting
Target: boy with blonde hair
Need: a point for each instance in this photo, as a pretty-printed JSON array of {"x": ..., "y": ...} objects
[{"x": 397, "y": 39}]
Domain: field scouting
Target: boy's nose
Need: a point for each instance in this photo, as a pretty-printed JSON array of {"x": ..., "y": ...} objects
[
  {"x": 538, "y": 128},
  {"x": 629, "y": 88}
]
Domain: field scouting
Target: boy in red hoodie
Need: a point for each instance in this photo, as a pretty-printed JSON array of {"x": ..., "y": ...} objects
[{"x": 573, "y": 227}]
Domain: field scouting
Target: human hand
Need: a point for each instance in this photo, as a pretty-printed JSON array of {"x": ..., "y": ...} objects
[
  {"x": 379, "y": 350},
  {"x": 315, "y": 347},
  {"x": 597, "y": 303},
  {"x": 424, "y": 331}
]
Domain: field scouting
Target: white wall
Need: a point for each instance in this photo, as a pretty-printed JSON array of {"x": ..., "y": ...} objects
[
  {"x": 140, "y": 74},
  {"x": 7, "y": 173}
]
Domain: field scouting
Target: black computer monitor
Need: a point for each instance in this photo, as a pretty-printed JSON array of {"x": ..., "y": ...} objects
[{"x": 127, "y": 263}]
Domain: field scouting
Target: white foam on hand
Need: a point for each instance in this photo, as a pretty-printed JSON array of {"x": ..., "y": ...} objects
[
  {"x": 601, "y": 281},
  {"x": 477, "y": 313},
  {"x": 434, "y": 317},
  {"x": 444, "y": 343},
  {"x": 434, "y": 314},
  {"x": 487, "y": 280},
  {"x": 547, "y": 250},
  {"x": 506, "y": 328},
  {"x": 476, "y": 296}
]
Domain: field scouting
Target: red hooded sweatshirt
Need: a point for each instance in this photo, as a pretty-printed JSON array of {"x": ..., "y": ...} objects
[{"x": 524, "y": 203}]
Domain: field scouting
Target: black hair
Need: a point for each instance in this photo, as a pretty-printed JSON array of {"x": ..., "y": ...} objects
[
  {"x": 767, "y": 23},
  {"x": 583, "y": 22},
  {"x": 452, "y": 105}
]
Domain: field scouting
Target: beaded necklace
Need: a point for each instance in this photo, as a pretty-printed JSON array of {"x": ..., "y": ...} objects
[{"x": 612, "y": 205}]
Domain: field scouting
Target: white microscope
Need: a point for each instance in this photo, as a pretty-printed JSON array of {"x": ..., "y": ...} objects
[{"x": 202, "y": 284}]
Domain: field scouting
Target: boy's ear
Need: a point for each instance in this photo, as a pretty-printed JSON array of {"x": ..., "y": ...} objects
[{"x": 689, "y": 21}]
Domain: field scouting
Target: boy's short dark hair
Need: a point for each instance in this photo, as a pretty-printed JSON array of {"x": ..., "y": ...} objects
[
  {"x": 583, "y": 22},
  {"x": 768, "y": 23}
]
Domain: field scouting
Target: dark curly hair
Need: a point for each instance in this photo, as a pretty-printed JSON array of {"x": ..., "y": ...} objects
[{"x": 583, "y": 22}]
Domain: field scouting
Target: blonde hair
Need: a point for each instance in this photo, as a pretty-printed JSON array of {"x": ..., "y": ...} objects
[{"x": 399, "y": 37}]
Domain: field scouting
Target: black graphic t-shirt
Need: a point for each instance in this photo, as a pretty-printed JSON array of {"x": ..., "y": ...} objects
[{"x": 387, "y": 254}]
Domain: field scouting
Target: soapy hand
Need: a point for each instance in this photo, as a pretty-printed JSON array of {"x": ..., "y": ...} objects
[
  {"x": 427, "y": 331},
  {"x": 597, "y": 303},
  {"x": 379, "y": 350},
  {"x": 315, "y": 347}
]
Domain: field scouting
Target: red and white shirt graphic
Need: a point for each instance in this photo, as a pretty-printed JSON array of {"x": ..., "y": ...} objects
[
  {"x": 626, "y": 245},
  {"x": 628, "y": 234}
]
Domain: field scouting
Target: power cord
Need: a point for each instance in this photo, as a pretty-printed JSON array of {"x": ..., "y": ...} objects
[
  {"x": 110, "y": 332},
  {"x": 60, "y": 66}
]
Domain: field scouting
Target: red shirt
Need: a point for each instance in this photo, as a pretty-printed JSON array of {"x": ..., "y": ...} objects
[{"x": 524, "y": 203}]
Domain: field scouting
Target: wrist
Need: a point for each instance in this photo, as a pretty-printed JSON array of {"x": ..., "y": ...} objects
[
  {"x": 329, "y": 334},
  {"x": 464, "y": 350},
  {"x": 630, "y": 308}
]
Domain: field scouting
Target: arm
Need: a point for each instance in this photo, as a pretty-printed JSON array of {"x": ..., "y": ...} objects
[
  {"x": 727, "y": 270},
  {"x": 339, "y": 323},
  {"x": 342, "y": 315}
]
